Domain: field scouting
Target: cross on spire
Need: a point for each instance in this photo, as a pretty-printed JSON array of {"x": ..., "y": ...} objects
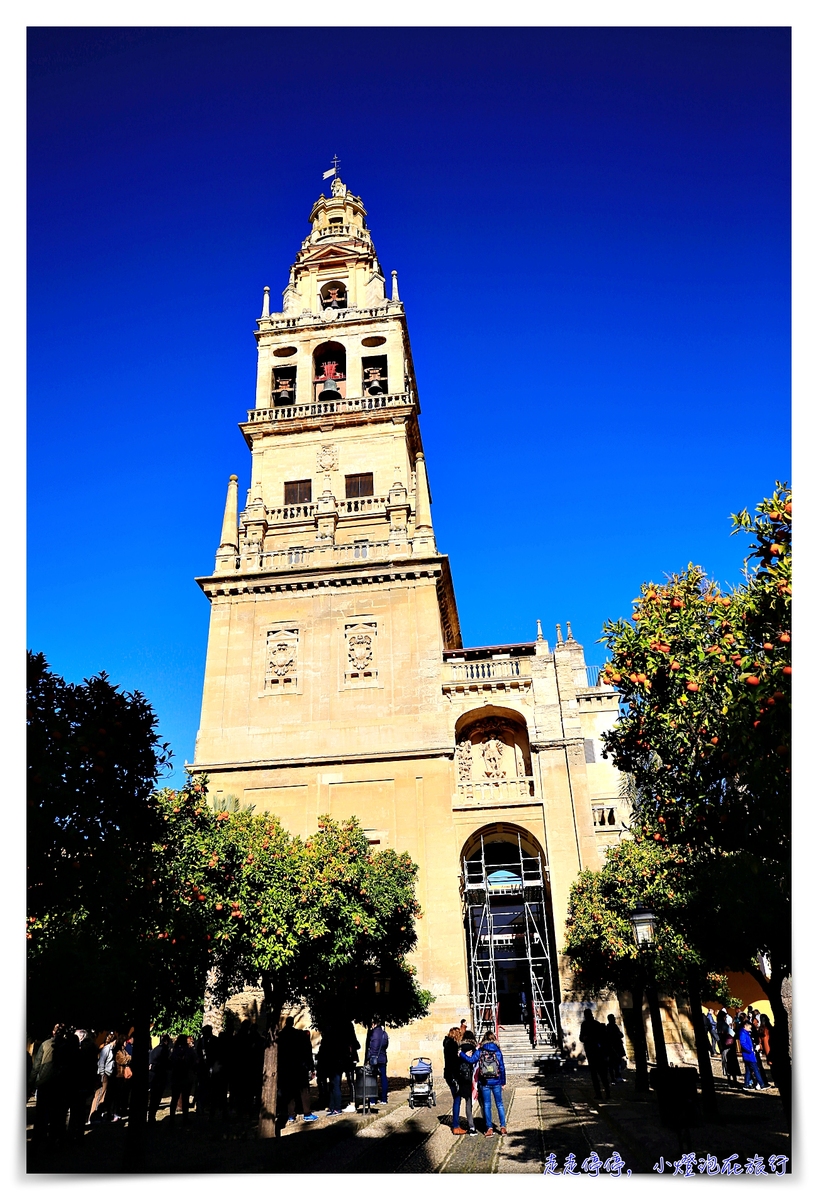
[{"x": 336, "y": 162}]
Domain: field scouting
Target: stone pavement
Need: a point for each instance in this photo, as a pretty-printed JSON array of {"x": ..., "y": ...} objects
[{"x": 546, "y": 1115}]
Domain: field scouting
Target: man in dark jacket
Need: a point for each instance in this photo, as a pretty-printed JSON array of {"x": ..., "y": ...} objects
[
  {"x": 295, "y": 1066},
  {"x": 594, "y": 1041},
  {"x": 376, "y": 1043}
]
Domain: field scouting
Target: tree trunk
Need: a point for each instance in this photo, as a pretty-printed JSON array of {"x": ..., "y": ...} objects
[
  {"x": 708, "y": 1086},
  {"x": 267, "y": 1123},
  {"x": 640, "y": 1044},
  {"x": 138, "y": 1106},
  {"x": 656, "y": 1024},
  {"x": 782, "y": 1066}
]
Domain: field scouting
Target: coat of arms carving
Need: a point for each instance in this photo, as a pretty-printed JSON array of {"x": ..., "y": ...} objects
[
  {"x": 328, "y": 458},
  {"x": 359, "y": 646},
  {"x": 281, "y": 658},
  {"x": 360, "y": 651}
]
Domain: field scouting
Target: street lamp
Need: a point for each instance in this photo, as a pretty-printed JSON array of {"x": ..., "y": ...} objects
[{"x": 643, "y": 923}]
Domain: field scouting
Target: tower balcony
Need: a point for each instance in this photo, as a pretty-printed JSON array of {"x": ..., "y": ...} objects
[
  {"x": 488, "y": 669},
  {"x": 300, "y": 412},
  {"x": 365, "y": 505}
]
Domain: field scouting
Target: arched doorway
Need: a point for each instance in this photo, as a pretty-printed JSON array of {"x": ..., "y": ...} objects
[{"x": 510, "y": 954}]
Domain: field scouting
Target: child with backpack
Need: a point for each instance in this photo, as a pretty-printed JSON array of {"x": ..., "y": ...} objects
[{"x": 491, "y": 1078}]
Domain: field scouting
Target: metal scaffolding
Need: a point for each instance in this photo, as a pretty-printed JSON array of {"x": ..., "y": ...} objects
[{"x": 505, "y": 918}]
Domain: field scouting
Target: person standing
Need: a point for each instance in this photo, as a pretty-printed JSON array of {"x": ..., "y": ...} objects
[
  {"x": 158, "y": 1066},
  {"x": 451, "y": 1053},
  {"x": 491, "y": 1078},
  {"x": 752, "y": 1075},
  {"x": 616, "y": 1050},
  {"x": 593, "y": 1037},
  {"x": 84, "y": 1085},
  {"x": 468, "y": 1055},
  {"x": 295, "y": 1068},
  {"x": 105, "y": 1069},
  {"x": 43, "y": 1083},
  {"x": 182, "y": 1073},
  {"x": 729, "y": 1055},
  {"x": 712, "y": 1033},
  {"x": 376, "y": 1046},
  {"x": 764, "y": 1038}
]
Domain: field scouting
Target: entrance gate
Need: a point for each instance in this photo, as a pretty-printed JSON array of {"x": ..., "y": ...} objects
[{"x": 507, "y": 936}]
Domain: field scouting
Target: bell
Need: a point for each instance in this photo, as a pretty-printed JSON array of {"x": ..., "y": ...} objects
[
  {"x": 285, "y": 395},
  {"x": 329, "y": 391},
  {"x": 376, "y": 387}
]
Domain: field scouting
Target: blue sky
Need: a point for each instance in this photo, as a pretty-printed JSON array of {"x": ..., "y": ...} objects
[{"x": 591, "y": 228}]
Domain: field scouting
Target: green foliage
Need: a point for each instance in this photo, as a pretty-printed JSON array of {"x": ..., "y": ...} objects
[
  {"x": 705, "y": 684},
  {"x": 309, "y": 918},
  {"x": 704, "y": 731},
  {"x": 599, "y": 936},
  {"x": 134, "y": 891}
]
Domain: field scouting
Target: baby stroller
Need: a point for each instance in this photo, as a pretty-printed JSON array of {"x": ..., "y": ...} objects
[{"x": 421, "y": 1084}]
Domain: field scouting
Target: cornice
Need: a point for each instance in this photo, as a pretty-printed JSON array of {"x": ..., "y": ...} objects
[
  {"x": 246, "y": 583},
  {"x": 323, "y": 759}
]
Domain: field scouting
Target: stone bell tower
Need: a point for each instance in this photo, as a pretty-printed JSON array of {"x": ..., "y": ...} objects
[
  {"x": 336, "y": 681},
  {"x": 330, "y": 606}
]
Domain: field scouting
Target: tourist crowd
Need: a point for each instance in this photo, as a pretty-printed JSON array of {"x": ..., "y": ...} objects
[{"x": 79, "y": 1078}]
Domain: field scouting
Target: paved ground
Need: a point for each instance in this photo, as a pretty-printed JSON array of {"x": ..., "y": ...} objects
[{"x": 548, "y": 1115}]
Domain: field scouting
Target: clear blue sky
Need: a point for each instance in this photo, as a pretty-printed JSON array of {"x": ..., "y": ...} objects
[{"x": 592, "y": 232}]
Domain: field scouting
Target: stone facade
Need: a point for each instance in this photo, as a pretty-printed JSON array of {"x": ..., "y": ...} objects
[{"x": 336, "y": 679}]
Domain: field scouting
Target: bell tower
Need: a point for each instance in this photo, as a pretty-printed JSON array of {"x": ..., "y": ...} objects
[
  {"x": 327, "y": 584},
  {"x": 336, "y": 681}
]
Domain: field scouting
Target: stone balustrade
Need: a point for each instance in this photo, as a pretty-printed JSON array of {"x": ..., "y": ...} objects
[
  {"x": 302, "y": 319},
  {"x": 295, "y": 412},
  {"x": 488, "y": 668},
  {"x": 323, "y": 556},
  {"x": 495, "y": 791},
  {"x": 291, "y": 512}
]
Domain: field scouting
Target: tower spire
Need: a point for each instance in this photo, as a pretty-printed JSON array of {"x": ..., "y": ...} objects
[
  {"x": 229, "y": 544},
  {"x": 424, "y": 534}
]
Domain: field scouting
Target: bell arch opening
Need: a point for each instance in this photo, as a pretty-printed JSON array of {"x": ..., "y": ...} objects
[
  {"x": 510, "y": 948},
  {"x": 330, "y": 365},
  {"x": 334, "y": 293}
]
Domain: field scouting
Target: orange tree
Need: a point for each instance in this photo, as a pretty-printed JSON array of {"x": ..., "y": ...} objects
[
  {"x": 315, "y": 919},
  {"x": 704, "y": 736},
  {"x": 600, "y": 944}
]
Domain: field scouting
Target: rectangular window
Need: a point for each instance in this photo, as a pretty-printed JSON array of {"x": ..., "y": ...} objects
[
  {"x": 589, "y": 750},
  {"x": 298, "y": 491},
  {"x": 359, "y": 485}
]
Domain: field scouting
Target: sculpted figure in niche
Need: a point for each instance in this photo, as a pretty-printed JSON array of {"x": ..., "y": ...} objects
[
  {"x": 464, "y": 761},
  {"x": 493, "y": 757},
  {"x": 281, "y": 658},
  {"x": 360, "y": 651}
]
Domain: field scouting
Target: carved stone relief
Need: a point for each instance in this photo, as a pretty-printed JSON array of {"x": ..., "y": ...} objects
[
  {"x": 328, "y": 458},
  {"x": 464, "y": 761},
  {"x": 360, "y": 651},
  {"x": 281, "y": 660}
]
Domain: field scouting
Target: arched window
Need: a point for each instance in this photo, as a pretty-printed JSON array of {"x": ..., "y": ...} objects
[
  {"x": 330, "y": 365},
  {"x": 334, "y": 294}
]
